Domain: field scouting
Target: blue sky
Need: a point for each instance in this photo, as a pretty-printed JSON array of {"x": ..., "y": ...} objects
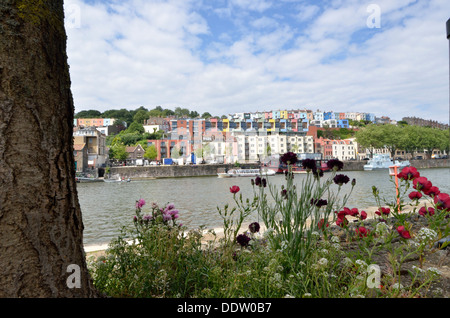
[{"x": 224, "y": 56}]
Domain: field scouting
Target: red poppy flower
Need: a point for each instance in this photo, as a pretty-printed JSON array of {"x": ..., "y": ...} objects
[
  {"x": 442, "y": 201},
  {"x": 403, "y": 232},
  {"x": 321, "y": 223},
  {"x": 363, "y": 215},
  {"x": 409, "y": 173},
  {"x": 433, "y": 191},
  {"x": 415, "y": 195},
  {"x": 354, "y": 212},
  {"x": 384, "y": 211},
  {"x": 422, "y": 184},
  {"x": 234, "y": 189},
  {"x": 424, "y": 211},
  {"x": 362, "y": 231},
  {"x": 341, "y": 222}
]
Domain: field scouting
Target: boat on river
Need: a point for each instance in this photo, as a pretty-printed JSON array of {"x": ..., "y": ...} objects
[
  {"x": 117, "y": 180},
  {"x": 246, "y": 173},
  {"x": 383, "y": 161}
]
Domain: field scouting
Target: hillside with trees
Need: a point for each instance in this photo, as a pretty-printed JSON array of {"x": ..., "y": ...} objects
[{"x": 132, "y": 130}]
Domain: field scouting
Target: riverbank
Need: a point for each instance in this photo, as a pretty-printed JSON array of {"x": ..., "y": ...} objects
[
  {"x": 208, "y": 235},
  {"x": 175, "y": 171}
]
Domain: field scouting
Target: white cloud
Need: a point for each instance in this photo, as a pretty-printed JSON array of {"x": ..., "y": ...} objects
[{"x": 164, "y": 53}]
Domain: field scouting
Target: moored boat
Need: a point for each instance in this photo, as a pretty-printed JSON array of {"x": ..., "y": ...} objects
[
  {"x": 383, "y": 161},
  {"x": 246, "y": 173}
]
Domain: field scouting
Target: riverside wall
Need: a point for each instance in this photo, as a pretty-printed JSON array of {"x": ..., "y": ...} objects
[
  {"x": 172, "y": 171},
  {"x": 175, "y": 171}
]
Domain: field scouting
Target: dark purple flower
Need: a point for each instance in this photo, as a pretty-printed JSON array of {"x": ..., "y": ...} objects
[
  {"x": 284, "y": 193},
  {"x": 318, "y": 202},
  {"x": 289, "y": 158},
  {"x": 318, "y": 173},
  {"x": 254, "y": 227},
  {"x": 264, "y": 182},
  {"x": 243, "y": 240},
  {"x": 340, "y": 179},
  {"x": 257, "y": 181},
  {"x": 335, "y": 164},
  {"x": 309, "y": 164}
]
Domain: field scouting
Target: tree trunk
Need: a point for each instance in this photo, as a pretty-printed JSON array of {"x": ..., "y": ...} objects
[{"x": 41, "y": 230}]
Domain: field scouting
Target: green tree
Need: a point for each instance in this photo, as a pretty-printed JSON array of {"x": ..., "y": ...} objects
[
  {"x": 206, "y": 115},
  {"x": 432, "y": 138},
  {"x": 88, "y": 114},
  {"x": 141, "y": 116},
  {"x": 370, "y": 137},
  {"x": 391, "y": 137},
  {"x": 135, "y": 127},
  {"x": 193, "y": 114},
  {"x": 118, "y": 151},
  {"x": 155, "y": 113},
  {"x": 151, "y": 153},
  {"x": 410, "y": 139},
  {"x": 123, "y": 115},
  {"x": 167, "y": 113}
]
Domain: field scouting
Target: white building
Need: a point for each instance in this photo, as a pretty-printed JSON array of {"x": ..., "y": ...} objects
[
  {"x": 254, "y": 147},
  {"x": 345, "y": 149}
]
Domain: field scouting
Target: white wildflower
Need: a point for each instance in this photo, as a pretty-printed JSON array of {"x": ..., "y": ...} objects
[
  {"x": 434, "y": 271},
  {"x": 426, "y": 234},
  {"x": 347, "y": 261},
  {"x": 307, "y": 295},
  {"x": 336, "y": 246},
  {"x": 335, "y": 239},
  {"x": 381, "y": 228},
  {"x": 417, "y": 269},
  {"x": 397, "y": 286},
  {"x": 277, "y": 277},
  {"x": 360, "y": 262},
  {"x": 323, "y": 261}
]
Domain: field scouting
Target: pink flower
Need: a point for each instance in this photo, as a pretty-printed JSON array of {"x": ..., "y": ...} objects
[
  {"x": 403, "y": 232},
  {"x": 383, "y": 211},
  {"x": 415, "y": 195},
  {"x": 408, "y": 173},
  {"x": 424, "y": 211},
  {"x": 363, "y": 215},
  {"x": 442, "y": 201},
  {"x": 362, "y": 231},
  {"x": 354, "y": 212},
  {"x": 321, "y": 223},
  {"x": 140, "y": 203},
  {"x": 341, "y": 222},
  {"x": 422, "y": 184},
  {"x": 433, "y": 191},
  {"x": 234, "y": 189}
]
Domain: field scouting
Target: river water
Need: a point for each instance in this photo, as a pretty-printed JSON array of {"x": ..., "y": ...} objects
[{"x": 107, "y": 207}]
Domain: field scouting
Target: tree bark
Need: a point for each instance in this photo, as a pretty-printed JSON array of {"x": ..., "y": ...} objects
[{"x": 41, "y": 229}]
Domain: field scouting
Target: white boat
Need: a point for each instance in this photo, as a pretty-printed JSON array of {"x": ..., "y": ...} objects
[
  {"x": 117, "y": 180},
  {"x": 246, "y": 173},
  {"x": 381, "y": 161}
]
